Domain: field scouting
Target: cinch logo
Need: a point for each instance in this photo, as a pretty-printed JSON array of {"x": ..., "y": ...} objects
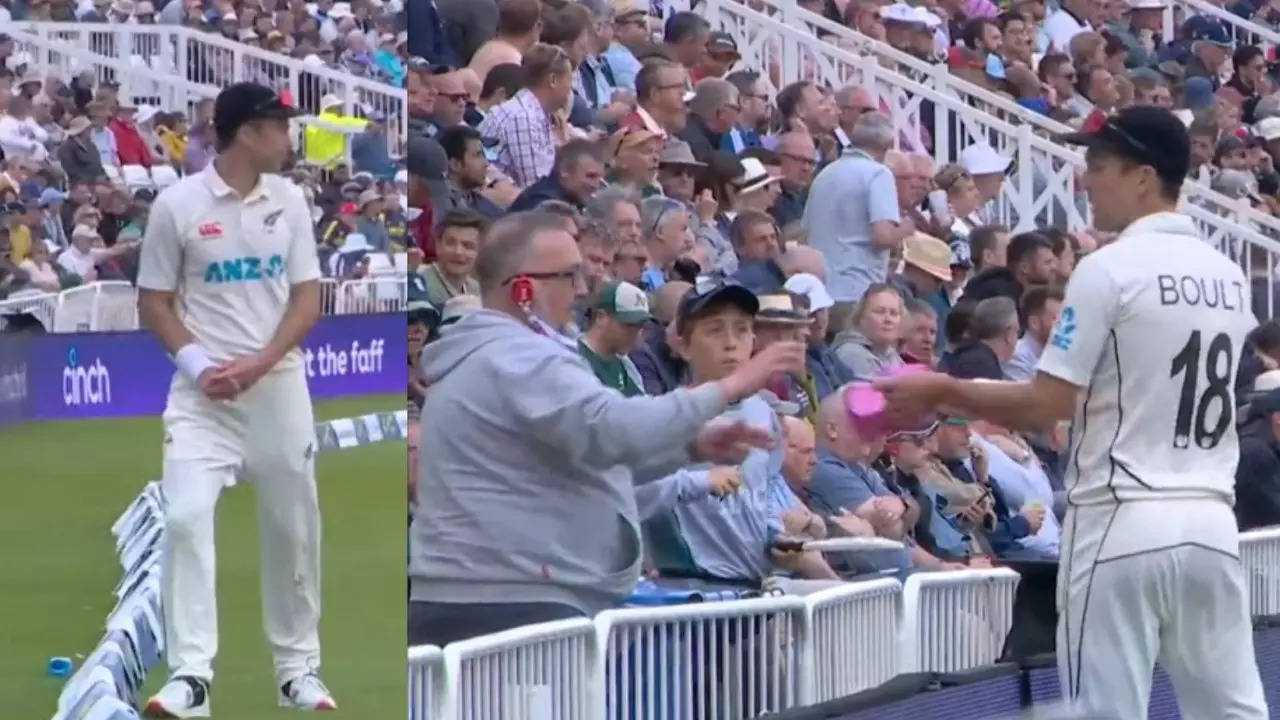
[
  {"x": 244, "y": 269},
  {"x": 85, "y": 384}
]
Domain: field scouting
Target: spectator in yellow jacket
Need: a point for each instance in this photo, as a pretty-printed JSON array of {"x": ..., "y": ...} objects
[{"x": 326, "y": 141}]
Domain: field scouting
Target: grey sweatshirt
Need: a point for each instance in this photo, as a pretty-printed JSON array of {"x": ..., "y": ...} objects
[
  {"x": 525, "y": 486},
  {"x": 855, "y": 351}
]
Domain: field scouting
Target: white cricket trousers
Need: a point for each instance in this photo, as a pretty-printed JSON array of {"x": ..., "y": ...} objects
[
  {"x": 1184, "y": 606},
  {"x": 267, "y": 436}
]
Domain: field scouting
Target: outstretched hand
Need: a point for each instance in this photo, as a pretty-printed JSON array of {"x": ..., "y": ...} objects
[
  {"x": 908, "y": 397},
  {"x": 727, "y": 442}
]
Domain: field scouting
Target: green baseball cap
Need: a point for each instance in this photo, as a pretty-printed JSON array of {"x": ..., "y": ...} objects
[{"x": 624, "y": 301}]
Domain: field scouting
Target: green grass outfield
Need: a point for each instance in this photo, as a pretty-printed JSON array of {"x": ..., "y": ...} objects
[{"x": 64, "y": 483}]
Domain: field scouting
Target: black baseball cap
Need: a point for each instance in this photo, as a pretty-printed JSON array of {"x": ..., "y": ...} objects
[
  {"x": 1144, "y": 134},
  {"x": 710, "y": 292},
  {"x": 245, "y": 102}
]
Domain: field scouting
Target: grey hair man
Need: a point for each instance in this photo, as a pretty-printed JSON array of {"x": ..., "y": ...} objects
[
  {"x": 619, "y": 209},
  {"x": 713, "y": 112},
  {"x": 992, "y": 338},
  {"x": 852, "y": 213},
  {"x": 518, "y": 415}
]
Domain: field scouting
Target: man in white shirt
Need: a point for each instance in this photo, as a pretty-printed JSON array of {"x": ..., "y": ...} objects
[
  {"x": 228, "y": 283},
  {"x": 87, "y": 251},
  {"x": 1074, "y": 17},
  {"x": 20, "y": 135},
  {"x": 1152, "y": 331},
  {"x": 1040, "y": 307}
]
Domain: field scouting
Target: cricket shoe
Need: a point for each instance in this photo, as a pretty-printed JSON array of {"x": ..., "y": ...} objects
[
  {"x": 182, "y": 697},
  {"x": 306, "y": 692}
]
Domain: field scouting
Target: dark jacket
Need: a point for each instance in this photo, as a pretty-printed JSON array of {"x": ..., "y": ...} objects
[
  {"x": 993, "y": 282},
  {"x": 789, "y": 207},
  {"x": 428, "y": 39},
  {"x": 546, "y": 188},
  {"x": 1251, "y": 98},
  {"x": 702, "y": 142},
  {"x": 970, "y": 361},
  {"x": 1010, "y": 527},
  {"x": 828, "y": 373},
  {"x": 1258, "y": 475},
  {"x": 760, "y": 278},
  {"x": 660, "y": 370},
  {"x": 80, "y": 161}
]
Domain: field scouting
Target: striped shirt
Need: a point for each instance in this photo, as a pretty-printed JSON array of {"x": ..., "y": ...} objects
[{"x": 526, "y": 149}]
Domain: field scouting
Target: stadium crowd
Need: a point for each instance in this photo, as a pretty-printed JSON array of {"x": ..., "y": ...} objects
[
  {"x": 80, "y": 164},
  {"x": 712, "y": 221}
]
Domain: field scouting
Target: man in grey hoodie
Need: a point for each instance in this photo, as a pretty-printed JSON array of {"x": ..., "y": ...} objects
[{"x": 526, "y": 508}]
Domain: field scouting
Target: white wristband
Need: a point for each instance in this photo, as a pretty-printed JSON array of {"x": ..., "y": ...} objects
[{"x": 192, "y": 360}]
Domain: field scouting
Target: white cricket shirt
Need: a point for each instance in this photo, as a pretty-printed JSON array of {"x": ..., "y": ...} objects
[
  {"x": 1152, "y": 329},
  {"x": 231, "y": 260}
]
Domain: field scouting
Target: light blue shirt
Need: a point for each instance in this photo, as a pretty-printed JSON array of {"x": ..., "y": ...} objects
[
  {"x": 624, "y": 65},
  {"x": 1019, "y": 484},
  {"x": 729, "y": 537},
  {"x": 105, "y": 141},
  {"x": 845, "y": 199},
  {"x": 1022, "y": 366}
]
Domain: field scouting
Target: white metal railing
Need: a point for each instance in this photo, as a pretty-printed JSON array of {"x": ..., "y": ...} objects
[
  {"x": 182, "y": 65},
  {"x": 956, "y": 620},
  {"x": 735, "y": 659},
  {"x": 1260, "y": 560},
  {"x": 853, "y": 638},
  {"x": 541, "y": 672},
  {"x": 112, "y": 305},
  {"x": 426, "y": 682}
]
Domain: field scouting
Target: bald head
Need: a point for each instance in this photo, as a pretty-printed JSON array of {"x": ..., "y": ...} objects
[
  {"x": 796, "y": 143},
  {"x": 898, "y": 162},
  {"x": 803, "y": 259},
  {"x": 796, "y": 429},
  {"x": 667, "y": 300},
  {"x": 833, "y": 419}
]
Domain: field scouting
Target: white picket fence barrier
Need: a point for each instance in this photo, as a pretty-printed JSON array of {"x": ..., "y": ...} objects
[
  {"x": 112, "y": 305},
  {"x": 1260, "y": 559},
  {"x": 426, "y": 682},
  {"x": 855, "y": 638},
  {"x": 956, "y": 620},
  {"x": 1243, "y": 31},
  {"x": 711, "y": 661},
  {"x": 177, "y": 66},
  {"x": 538, "y": 672}
]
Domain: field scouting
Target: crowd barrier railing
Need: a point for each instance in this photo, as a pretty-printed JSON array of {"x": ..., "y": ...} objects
[
  {"x": 1260, "y": 560},
  {"x": 733, "y": 659},
  {"x": 1243, "y": 30},
  {"x": 854, "y": 638},
  {"x": 161, "y": 55},
  {"x": 956, "y": 620},
  {"x": 426, "y": 682},
  {"x": 112, "y": 305},
  {"x": 537, "y": 671}
]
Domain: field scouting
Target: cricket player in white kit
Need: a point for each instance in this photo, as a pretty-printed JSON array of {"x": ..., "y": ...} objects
[
  {"x": 229, "y": 284},
  {"x": 1144, "y": 356}
]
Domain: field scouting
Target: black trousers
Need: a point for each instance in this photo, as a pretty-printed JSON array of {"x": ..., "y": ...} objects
[{"x": 436, "y": 623}]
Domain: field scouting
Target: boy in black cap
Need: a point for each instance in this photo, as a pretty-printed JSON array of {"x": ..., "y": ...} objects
[
  {"x": 1151, "y": 331},
  {"x": 233, "y": 246}
]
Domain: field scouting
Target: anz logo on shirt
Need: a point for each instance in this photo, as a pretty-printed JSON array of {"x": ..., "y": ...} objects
[{"x": 243, "y": 269}]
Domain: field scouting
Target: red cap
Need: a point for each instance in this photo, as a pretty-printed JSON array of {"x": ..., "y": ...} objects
[{"x": 348, "y": 208}]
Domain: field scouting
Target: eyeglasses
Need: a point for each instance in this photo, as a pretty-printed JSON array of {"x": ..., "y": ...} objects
[
  {"x": 657, "y": 221},
  {"x": 573, "y": 275},
  {"x": 800, "y": 159},
  {"x": 454, "y": 97}
]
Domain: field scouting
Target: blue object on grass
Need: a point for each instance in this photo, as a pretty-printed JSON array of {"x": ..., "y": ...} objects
[{"x": 59, "y": 666}]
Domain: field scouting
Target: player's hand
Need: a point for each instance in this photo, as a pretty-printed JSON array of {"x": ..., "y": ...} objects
[
  {"x": 215, "y": 387},
  {"x": 243, "y": 372},
  {"x": 908, "y": 397},
  {"x": 750, "y": 378},
  {"x": 724, "y": 480},
  {"x": 727, "y": 442},
  {"x": 1034, "y": 514}
]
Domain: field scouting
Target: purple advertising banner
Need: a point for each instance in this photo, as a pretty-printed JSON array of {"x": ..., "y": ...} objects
[{"x": 84, "y": 375}]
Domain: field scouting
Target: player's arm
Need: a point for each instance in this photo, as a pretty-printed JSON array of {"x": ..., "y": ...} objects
[{"x": 1035, "y": 405}]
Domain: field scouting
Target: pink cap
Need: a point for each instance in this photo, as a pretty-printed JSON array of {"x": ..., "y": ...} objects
[{"x": 866, "y": 407}]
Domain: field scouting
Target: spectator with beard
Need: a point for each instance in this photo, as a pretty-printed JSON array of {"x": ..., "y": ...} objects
[
  {"x": 1040, "y": 307},
  {"x": 1030, "y": 261},
  {"x": 618, "y": 313},
  {"x": 468, "y": 175},
  {"x": 989, "y": 343},
  {"x": 660, "y": 88},
  {"x": 753, "y": 112}
]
